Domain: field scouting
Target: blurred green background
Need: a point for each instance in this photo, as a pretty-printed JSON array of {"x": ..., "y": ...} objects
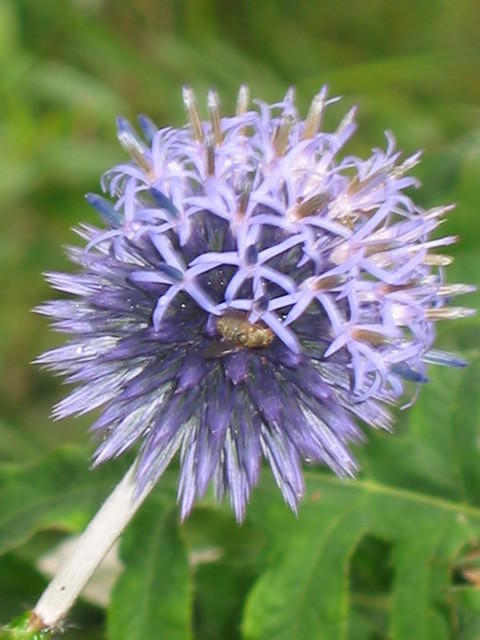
[{"x": 68, "y": 67}]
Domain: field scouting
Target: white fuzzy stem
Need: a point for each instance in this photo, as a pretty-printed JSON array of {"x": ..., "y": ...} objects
[{"x": 106, "y": 526}]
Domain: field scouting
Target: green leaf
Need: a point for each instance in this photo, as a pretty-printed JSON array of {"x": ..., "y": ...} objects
[
  {"x": 305, "y": 590},
  {"x": 304, "y": 593},
  {"x": 152, "y": 598},
  {"x": 467, "y": 602}
]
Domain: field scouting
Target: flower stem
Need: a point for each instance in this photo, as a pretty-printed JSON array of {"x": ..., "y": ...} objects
[{"x": 102, "y": 531}]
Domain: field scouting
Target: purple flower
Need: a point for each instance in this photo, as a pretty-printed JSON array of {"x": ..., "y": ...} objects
[{"x": 253, "y": 294}]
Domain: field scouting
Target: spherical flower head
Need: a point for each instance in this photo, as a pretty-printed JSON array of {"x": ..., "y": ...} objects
[{"x": 253, "y": 294}]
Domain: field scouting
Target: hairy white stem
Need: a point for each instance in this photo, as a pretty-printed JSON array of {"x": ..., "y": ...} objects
[{"x": 103, "y": 530}]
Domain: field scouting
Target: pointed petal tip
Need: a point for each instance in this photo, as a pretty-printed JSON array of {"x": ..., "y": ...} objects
[
  {"x": 148, "y": 127},
  {"x": 123, "y": 124},
  {"x": 444, "y": 359}
]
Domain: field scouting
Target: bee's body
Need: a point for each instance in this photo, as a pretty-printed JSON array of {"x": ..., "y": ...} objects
[
  {"x": 238, "y": 330},
  {"x": 237, "y": 333}
]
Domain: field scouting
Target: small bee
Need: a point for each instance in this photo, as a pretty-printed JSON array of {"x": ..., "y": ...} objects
[{"x": 237, "y": 333}]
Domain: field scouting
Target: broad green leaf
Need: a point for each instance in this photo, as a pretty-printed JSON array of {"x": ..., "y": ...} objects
[
  {"x": 435, "y": 444},
  {"x": 446, "y": 421},
  {"x": 152, "y": 598},
  {"x": 304, "y": 592},
  {"x": 467, "y": 619},
  {"x": 421, "y": 574},
  {"x": 305, "y": 589}
]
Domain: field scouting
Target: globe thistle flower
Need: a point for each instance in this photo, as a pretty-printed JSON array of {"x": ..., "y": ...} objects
[{"x": 253, "y": 294}]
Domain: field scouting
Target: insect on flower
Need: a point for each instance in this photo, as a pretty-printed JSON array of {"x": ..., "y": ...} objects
[
  {"x": 237, "y": 333},
  {"x": 255, "y": 294}
]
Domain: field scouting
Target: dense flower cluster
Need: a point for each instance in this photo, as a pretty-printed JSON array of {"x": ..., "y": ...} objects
[{"x": 252, "y": 295}]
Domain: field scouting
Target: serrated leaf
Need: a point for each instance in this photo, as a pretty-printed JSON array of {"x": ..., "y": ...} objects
[
  {"x": 152, "y": 598},
  {"x": 305, "y": 590},
  {"x": 304, "y": 593}
]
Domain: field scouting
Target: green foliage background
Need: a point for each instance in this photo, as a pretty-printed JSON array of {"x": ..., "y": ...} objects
[{"x": 393, "y": 555}]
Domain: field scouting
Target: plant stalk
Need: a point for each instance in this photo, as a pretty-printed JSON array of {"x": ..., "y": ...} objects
[{"x": 97, "y": 539}]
